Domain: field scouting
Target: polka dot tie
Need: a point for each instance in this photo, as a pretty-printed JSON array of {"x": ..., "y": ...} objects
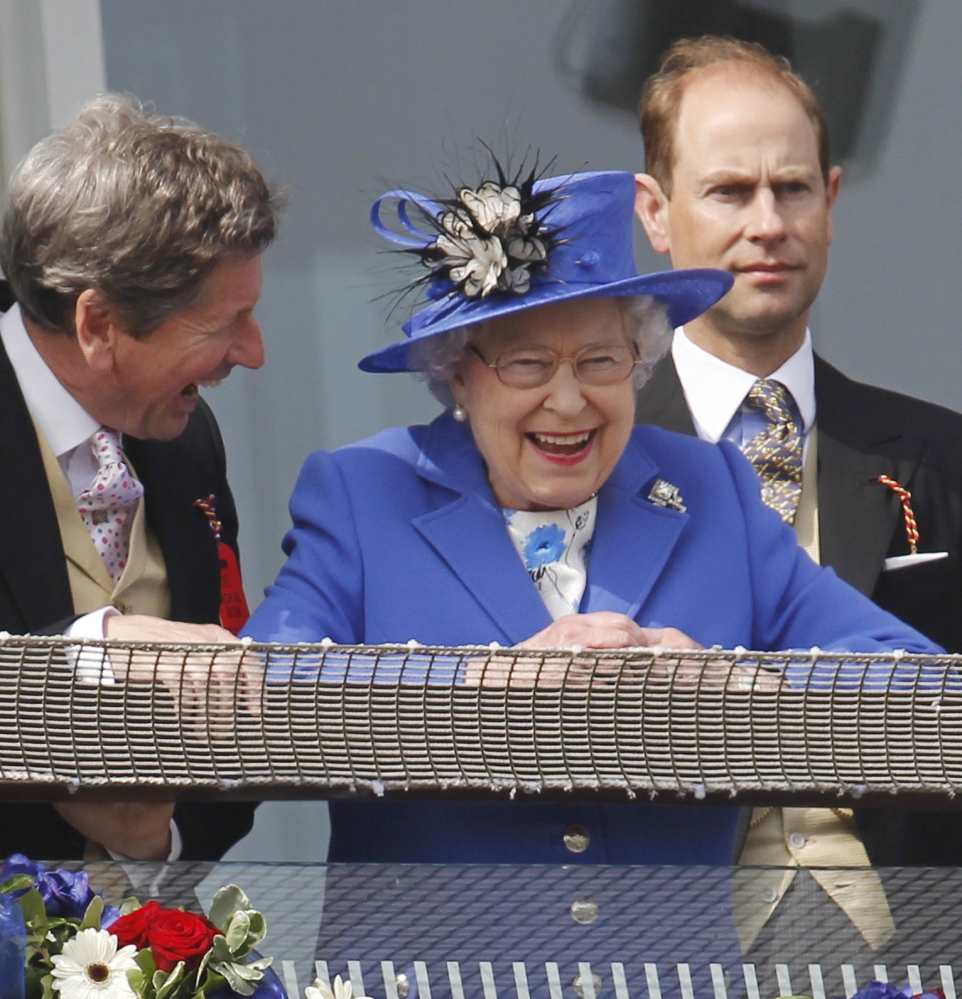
[
  {"x": 107, "y": 503},
  {"x": 777, "y": 451}
]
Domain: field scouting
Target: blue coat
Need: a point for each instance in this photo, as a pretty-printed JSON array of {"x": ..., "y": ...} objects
[{"x": 400, "y": 537}]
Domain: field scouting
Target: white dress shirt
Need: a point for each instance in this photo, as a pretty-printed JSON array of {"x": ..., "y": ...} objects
[
  {"x": 68, "y": 427},
  {"x": 715, "y": 391}
]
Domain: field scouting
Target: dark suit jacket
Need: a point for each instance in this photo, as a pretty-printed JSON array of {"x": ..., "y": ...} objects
[
  {"x": 35, "y": 590},
  {"x": 865, "y": 432}
]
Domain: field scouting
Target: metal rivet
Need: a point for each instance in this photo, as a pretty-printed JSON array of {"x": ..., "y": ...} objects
[
  {"x": 577, "y": 838},
  {"x": 768, "y": 894},
  {"x": 579, "y": 988},
  {"x": 584, "y": 910},
  {"x": 402, "y": 984},
  {"x": 796, "y": 840}
]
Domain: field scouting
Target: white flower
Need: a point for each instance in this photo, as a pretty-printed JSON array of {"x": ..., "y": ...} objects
[
  {"x": 494, "y": 209},
  {"x": 473, "y": 260},
  {"x": 341, "y": 990},
  {"x": 91, "y": 967}
]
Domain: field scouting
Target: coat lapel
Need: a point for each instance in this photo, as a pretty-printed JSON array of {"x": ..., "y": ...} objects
[
  {"x": 31, "y": 555},
  {"x": 468, "y": 533},
  {"x": 661, "y": 400},
  {"x": 857, "y": 514},
  {"x": 628, "y": 520},
  {"x": 172, "y": 481}
]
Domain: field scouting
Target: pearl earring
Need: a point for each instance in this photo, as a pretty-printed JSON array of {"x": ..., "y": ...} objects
[{"x": 460, "y": 413}]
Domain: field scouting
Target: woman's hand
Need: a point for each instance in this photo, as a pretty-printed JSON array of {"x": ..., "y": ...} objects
[
  {"x": 599, "y": 630},
  {"x": 605, "y": 630}
]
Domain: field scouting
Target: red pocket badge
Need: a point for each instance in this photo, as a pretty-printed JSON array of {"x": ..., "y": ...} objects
[{"x": 233, "y": 603}]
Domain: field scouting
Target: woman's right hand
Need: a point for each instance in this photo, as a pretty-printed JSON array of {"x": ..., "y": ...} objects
[
  {"x": 605, "y": 630},
  {"x": 577, "y": 632}
]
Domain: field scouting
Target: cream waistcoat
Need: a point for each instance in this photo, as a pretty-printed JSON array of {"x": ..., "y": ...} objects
[
  {"x": 819, "y": 838},
  {"x": 142, "y": 589}
]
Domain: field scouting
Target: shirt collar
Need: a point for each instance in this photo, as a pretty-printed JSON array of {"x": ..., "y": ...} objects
[
  {"x": 61, "y": 419},
  {"x": 714, "y": 389}
]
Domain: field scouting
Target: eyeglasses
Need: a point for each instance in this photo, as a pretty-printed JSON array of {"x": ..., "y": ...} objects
[{"x": 532, "y": 367}]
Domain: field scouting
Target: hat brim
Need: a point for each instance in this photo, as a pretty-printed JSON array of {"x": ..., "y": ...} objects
[{"x": 687, "y": 293}]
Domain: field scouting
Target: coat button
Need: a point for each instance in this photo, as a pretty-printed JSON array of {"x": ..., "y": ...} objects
[
  {"x": 584, "y": 910},
  {"x": 577, "y": 838}
]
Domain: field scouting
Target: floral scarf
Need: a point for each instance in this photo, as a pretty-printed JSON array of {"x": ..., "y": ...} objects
[{"x": 554, "y": 546}]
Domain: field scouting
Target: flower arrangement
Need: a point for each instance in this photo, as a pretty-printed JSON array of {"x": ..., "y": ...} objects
[
  {"x": 490, "y": 239},
  {"x": 79, "y": 947},
  {"x": 886, "y": 990}
]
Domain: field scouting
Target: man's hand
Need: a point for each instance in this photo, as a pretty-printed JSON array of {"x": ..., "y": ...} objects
[
  {"x": 207, "y": 686},
  {"x": 141, "y": 832}
]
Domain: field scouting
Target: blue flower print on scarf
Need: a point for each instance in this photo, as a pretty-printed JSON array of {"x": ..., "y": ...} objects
[{"x": 543, "y": 545}]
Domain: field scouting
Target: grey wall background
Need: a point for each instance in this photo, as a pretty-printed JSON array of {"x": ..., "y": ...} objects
[{"x": 341, "y": 100}]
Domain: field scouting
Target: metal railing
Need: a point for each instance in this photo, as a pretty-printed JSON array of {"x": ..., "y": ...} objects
[{"x": 273, "y": 721}]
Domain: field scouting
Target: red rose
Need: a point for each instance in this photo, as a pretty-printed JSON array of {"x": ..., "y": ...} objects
[
  {"x": 172, "y": 934},
  {"x": 134, "y": 927}
]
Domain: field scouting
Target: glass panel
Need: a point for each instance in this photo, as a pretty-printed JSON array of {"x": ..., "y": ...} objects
[{"x": 579, "y": 932}]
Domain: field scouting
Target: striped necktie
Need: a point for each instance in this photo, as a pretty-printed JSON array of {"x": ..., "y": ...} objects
[{"x": 777, "y": 451}]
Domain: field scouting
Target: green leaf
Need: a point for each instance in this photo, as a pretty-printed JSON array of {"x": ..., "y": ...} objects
[
  {"x": 145, "y": 960},
  {"x": 239, "y": 982},
  {"x": 258, "y": 928},
  {"x": 227, "y": 901},
  {"x": 219, "y": 951},
  {"x": 34, "y": 913},
  {"x": 17, "y": 883},
  {"x": 92, "y": 916},
  {"x": 236, "y": 931},
  {"x": 129, "y": 905},
  {"x": 170, "y": 982}
]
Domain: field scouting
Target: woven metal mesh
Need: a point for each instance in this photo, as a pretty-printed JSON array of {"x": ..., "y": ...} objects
[{"x": 320, "y": 719}]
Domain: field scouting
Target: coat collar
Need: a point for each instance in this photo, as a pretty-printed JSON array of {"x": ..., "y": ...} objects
[
  {"x": 859, "y": 439},
  {"x": 31, "y": 553},
  {"x": 468, "y": 533}
]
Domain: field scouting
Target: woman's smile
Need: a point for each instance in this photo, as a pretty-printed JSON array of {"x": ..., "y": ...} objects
[
  {"x": 563, "y": 449},
  {"x": 548, "y": 446}
]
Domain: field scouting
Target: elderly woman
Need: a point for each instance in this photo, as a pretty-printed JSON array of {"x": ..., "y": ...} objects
[
  {"x": 131, "y": 243},
  {"x": 533, "y": 512}
]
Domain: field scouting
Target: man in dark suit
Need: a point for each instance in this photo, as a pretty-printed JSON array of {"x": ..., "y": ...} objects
[
  {"x": 131, "y": 244},
  {"x": 739, "y": 177}
]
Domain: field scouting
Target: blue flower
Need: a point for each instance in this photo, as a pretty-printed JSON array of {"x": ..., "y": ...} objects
[
  {"x": 543, "y": 545},
  {"x": 64, "y": 893},
  {"x": 886, "y": 990}
]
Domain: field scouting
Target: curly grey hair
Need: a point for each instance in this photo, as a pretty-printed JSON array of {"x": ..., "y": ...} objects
[
  {"x": 646, "y": 324},
  {"x": 138, "y": 206}
]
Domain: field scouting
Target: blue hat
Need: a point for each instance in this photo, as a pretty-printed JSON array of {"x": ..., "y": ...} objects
[{"x": 507, "y": 247}]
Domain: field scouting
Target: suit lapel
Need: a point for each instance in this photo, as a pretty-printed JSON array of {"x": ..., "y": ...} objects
[
  {"x": 662, "y": 400},
  {"x": 172, "y": 481},
  {"x": 31, "y": 554},
  {"x": 857, "y": 514},
  {"x": 627, "y": 518},
  {"x": 468, "y": 533}
]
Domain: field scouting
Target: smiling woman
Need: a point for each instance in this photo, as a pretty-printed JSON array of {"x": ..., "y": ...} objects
[{"x": 532, "y": 512}]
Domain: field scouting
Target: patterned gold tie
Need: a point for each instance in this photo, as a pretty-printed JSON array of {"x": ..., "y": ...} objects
[{"x": 777, "y": 451}]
